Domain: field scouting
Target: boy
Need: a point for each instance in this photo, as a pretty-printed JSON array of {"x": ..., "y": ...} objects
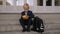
[{"x": 26, "y": 22}]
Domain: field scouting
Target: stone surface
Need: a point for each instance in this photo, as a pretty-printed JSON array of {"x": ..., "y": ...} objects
[{"x": 9, "y": 24}]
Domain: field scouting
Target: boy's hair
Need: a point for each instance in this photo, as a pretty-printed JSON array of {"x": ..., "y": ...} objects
[{"x": 26, "y": 4}]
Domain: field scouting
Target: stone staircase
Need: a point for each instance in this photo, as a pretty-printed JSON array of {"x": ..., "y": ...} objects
[{"x": 9, "y": 23}]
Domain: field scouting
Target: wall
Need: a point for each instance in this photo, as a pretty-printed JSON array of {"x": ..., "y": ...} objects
[{"x": 35, "y": 9}]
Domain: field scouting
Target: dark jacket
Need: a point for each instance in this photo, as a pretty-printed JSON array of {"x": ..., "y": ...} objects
[{"x": 29, "y": 13}]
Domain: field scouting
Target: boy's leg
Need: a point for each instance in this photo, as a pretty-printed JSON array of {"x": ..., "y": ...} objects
[
  {"x": 28, "y": 24},
  {"x": 22, "y": 22}
]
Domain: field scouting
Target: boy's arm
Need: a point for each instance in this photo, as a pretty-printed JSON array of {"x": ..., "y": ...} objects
[
  {"x": 31, "y": 15},
  {"x": 21, "y": 14}
]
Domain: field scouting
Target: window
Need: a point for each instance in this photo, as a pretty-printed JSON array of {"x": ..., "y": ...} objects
[
  {"x": 48, "y": 2},
  {"x": 30, "y": 2},
  {"x": 40, "y": 2},
  {"x": 57, "y": 2},
  {"x": 1, "y": 2},
  {"x": 19, "y": 2}
]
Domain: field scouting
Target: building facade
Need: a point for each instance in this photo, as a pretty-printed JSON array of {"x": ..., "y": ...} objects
[{"x": 37, "y": 6}]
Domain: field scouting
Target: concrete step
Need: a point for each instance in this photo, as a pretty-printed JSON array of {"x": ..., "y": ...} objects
[
  {"x": 18, "y": 27},
  {"x": 52, "y": 26},
  {"x": 10, "y": 23},
  {"x": 10, "y": 28},
  {"x": 32, "y": 32}
]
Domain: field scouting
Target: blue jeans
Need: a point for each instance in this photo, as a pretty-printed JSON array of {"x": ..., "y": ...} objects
[{"x": 25, "y": 23}]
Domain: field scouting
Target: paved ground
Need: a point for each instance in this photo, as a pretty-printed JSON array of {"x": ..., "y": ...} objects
[
  {"x": 19, "y": 33},
  {"x": 29, "y": 32},
  {"x": 32, "y": 32}
]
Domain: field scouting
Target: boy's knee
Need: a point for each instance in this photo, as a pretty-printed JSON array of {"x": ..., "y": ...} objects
[{"x": 20, "y": 20}]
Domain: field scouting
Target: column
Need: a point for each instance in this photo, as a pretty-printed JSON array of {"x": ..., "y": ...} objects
[
  {"x": 53, "y": 2},
  {"x": 4, "y": 5},
  {"x": 4, "y": 2},
  {"x": 14, "y": 4},
  {"x": 44, "y": 2},
  {"x": 25, "y": 1},
  {"x": 35, "y": 2}
]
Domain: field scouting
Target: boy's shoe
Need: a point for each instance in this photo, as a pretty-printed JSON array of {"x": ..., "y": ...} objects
[
  {"x": 28, "y": 30},
  {"x": 23, "y": 30}
]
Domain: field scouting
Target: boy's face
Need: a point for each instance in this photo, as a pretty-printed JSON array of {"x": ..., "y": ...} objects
[{"x": 26, "y": 7}]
